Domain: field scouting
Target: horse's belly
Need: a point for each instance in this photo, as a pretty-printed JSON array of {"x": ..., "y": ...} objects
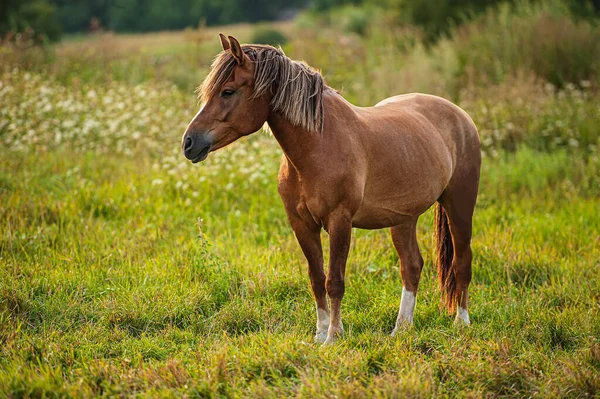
[
  {"x": 381, "y": 216},
  {"x": 394, "y": 207},
  {"x": 378, "y": 220}
]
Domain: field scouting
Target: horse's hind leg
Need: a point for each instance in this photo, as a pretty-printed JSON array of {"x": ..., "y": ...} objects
[
  {"x": 404, "y": 238},
  {"x": 458, "y": 201}
]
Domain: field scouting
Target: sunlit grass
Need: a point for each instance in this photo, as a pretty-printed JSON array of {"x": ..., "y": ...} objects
[{"x": 109, "y": 286}]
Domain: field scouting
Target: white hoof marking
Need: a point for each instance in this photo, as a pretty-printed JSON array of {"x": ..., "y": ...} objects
[
  {"x": 407, "y": 305},
  {"x": 407, "y": 310},
  {"x": 322, "y": 325},
  {"x": 320, "y": 337},
  {"x": 462, "y": 317}
]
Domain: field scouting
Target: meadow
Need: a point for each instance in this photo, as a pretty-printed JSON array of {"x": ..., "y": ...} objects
[{"x": 127, "y": 271}]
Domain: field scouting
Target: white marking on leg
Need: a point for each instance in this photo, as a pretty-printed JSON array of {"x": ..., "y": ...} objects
[
  {"x": 407, "y": 305},
  {"x": 322, "y": 319},
  {"x": 407, "y": 309},
  {"x": 322, "y": 325},
  {"x": 336, "y": 328},
  {"x": 462, "y": 317}
]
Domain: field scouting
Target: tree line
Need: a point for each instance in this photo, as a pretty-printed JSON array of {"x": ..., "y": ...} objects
[
  {"x": 53, "y": 17},
  {"x": 50, "y": 18}
]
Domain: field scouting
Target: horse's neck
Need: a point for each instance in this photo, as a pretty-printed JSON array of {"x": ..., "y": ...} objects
[
  {"x": 298, "y": 143},
  {"x": 295, "y": 141}
]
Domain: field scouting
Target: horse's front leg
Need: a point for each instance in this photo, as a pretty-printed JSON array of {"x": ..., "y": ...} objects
[
  {"x": 309, "y": 238},
  {"x": 339, "y": 228}
]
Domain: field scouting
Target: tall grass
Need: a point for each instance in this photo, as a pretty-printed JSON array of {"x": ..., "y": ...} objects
[
  {"x": 538, "y": 37},
  {"x": 527, "y": 39},
  {"x": 181, "y": 58}
]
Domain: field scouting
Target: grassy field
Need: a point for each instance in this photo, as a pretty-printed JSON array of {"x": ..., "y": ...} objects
[{"x": 126, "y": 271}]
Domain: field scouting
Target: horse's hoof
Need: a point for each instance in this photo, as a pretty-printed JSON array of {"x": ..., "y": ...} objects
[
  {"x": 332, "y": 337},
  {"x": 401, "y": 325},
  {"x": 462, "y": 318},
  {"x": 320, "y": 337},
  {"x": 398, "y": 330},
  {"x": 460, "y": 323}
]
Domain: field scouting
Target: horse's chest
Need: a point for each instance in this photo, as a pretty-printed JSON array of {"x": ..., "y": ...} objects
[
  {"x": 313, "y": 207},
  {"x": 302, "y": 199},
  {"x": 315, "y": 202}
]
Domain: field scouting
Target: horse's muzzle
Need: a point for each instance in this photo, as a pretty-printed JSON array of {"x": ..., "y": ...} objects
[{"x": 196, "y": 148}]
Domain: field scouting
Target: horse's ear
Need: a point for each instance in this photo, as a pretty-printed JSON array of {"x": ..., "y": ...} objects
[
  {"x": 224, "y": 42},
  {"x": 236, "y": 50}
]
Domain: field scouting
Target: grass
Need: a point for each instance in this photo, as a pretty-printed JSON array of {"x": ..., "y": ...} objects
[
  {"x": 108, "y": 289},
  {"x": 126, "y": 271},
  {"x": 109, "y": 286}
]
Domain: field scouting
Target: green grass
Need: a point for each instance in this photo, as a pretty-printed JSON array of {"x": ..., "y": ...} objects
[{"x": 109, "y": 287}]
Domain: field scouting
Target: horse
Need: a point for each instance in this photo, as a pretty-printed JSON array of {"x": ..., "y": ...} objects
[{"x": 345, "y": 166}]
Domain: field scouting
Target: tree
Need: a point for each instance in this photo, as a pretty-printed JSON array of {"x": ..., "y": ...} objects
[{"x": 37, "y": 15}]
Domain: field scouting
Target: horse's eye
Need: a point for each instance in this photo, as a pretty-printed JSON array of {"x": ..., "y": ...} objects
[{"x": 227, "y": 93}]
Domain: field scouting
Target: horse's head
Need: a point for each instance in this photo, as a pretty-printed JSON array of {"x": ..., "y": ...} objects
[{"x": 231, "y": 109}]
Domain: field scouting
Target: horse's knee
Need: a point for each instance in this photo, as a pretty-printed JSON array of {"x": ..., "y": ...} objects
[
  {"x": 335, "y": 288},
  {"x": 317, "y": 282}
]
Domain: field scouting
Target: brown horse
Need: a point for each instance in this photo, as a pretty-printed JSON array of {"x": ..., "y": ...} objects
[{"x": 345, "y": 166}]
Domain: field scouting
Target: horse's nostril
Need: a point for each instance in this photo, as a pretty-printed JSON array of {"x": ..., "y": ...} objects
[{"x": 188, "y": 144}]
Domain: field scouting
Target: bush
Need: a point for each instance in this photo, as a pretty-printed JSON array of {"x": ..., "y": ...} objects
[
  {"x": 37, "y": 16},
  {"x": 266, "y": 35},
  {"x": 564, "y": 51},
  {"x": 353, "y": 19},
  {"x": 539, "y": 37},
  {"x": 437, "y": 17}
]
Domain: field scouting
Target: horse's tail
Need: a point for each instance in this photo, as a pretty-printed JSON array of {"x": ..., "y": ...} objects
[{"x": 445, "y": 253}]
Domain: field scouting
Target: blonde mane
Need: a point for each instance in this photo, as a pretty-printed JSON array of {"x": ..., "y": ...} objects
[{"x": 297, "y": 88}]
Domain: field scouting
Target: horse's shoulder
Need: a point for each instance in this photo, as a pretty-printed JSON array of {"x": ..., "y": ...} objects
[{"x": 287, "y": 179}]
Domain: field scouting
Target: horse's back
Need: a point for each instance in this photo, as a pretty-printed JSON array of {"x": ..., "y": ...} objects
[
  {"x": 398, "y": 98},
  {"x": 454, "y": 126}
]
